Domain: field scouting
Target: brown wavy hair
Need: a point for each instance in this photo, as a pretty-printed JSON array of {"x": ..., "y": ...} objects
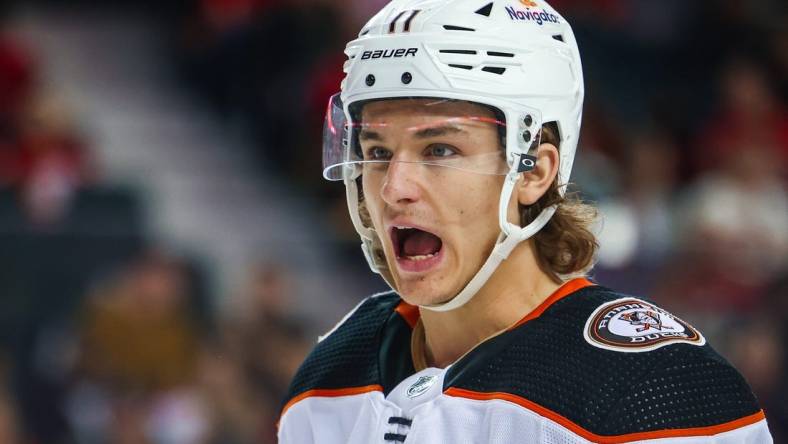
[{"x": 566, "y": 245}]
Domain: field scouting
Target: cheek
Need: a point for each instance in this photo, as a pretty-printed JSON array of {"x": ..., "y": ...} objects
[
  {"x": 480, "y": 201},
  {"x": 476, "y": 210}
]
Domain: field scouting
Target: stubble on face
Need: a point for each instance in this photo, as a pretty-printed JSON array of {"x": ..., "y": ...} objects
[{"x": 458, "y": 206}]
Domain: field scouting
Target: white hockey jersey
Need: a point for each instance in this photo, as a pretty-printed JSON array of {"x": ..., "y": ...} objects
[{"x": 588, "y": 365}]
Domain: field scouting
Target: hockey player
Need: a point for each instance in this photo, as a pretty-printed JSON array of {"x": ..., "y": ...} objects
[{"x": 454, "y": 134}]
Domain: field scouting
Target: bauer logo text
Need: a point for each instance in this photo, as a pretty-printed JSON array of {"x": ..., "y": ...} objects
[{"x": 389, "y": 53}]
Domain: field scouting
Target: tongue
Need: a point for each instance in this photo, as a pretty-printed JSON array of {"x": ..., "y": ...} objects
[{"x": 421, "y": 243}]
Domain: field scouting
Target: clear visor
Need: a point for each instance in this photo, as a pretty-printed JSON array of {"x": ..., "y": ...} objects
[{"x": 438, "y": 135}]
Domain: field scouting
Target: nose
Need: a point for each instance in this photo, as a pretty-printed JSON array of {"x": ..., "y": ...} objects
[{"x": 402, "y": 184}]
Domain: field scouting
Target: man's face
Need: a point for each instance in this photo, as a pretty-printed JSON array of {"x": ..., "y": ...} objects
[{"x": 437, "y": 224}]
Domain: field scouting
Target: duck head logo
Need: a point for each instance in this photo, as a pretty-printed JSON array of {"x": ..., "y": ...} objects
[
  {"x": 645, "y": 320},
  {"x": 632, "y": 325}
]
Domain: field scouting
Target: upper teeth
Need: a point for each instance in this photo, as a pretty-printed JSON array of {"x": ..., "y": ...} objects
[{"x": 420, "y": 257}]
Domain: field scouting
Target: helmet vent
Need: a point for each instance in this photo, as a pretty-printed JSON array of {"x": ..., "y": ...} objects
[
  {"x": 364, "y": 32},
  {"x": 458, "y": 51},
  {"x": 499, "y": 54},
  {"x": 494, "y": 69},
  {"x": 461, "y": 66},
  {"x": 485, "y": 10},
  {"x": 457, "y": 28},
  {"x": 558, "y": 37}
]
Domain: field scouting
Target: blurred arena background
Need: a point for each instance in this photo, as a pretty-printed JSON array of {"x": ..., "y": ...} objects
[{"x": 169, "y": 252}]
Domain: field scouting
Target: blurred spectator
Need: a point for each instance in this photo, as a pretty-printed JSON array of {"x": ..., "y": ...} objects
[
  {"x": 272, "y": 328},
  {"x": 238, "y": 56},
  {"x": 139, "y": 350},
  {"x": 142, "y": 378},
  {"x": 755, "y": 347},
  {"x": 650, "y": 184},
  {"x": 749, "y": 115},
  {"x": 267, "y": 338},
  {"x": 599, "y": 155},
  {"x": 178, "y": 417},
  {"x": 42, "y": 155},
  {"x": 267, "y": 294},
  {"x": 50, "y": 162},
  {"x": 237, "y": 414},
  {"x": 138, "y": 335},
  {"x": 638, "y": 230},
  {"x": 757, "y": 353},
  {"x": 734, "y": 241}
]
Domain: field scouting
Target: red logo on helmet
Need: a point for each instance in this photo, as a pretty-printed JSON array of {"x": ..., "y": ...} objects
[{"x": 529, "y": 3}]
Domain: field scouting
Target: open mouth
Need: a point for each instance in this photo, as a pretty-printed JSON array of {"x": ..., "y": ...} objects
[{"x": 415, "y": 245}]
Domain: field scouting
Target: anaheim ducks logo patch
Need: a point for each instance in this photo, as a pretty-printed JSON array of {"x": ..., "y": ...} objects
[{"x": 631, "y": 325}]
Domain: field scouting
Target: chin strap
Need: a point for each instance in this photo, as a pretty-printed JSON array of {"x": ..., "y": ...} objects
[
  {"x": 511, "y": 236},
  {"x": 370, "y": 242},
  {"x": 503, "y": 247}
]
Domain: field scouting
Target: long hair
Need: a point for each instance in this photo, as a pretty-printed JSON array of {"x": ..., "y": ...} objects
[{"x": 566, "y": 245}]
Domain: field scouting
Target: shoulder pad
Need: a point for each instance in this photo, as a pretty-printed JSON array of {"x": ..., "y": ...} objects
[
  {"x": 347, "y": 355},
  {"x": 550, "y": 362},
  {"x": 686, "y": 388}
]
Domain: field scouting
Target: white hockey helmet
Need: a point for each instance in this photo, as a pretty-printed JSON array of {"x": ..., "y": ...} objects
[{"x": 519, "y": 57}]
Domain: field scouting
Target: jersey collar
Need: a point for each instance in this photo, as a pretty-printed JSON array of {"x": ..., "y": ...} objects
[{"x": 411, "y": 315}]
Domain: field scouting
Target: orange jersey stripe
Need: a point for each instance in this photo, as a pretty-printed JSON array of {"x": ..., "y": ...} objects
[
  {"x": 411, "y": 313},
  {"x": 408, "y": 312},
  {"x": 562, "y": 292},
  {"x": 667, "y": 433},
  {"x": 331, "y": 393}
]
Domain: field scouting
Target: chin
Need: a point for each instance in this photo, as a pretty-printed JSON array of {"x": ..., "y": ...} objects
[
  {"x": 433, "y": 286},
  {"x": 423, "y": 293}
]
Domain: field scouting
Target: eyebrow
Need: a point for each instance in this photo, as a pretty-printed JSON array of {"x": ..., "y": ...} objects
[
  {"x": 425, "y": 133},
  {"x": 370, "y": 135},
  {"x": 435, "y": 131}
]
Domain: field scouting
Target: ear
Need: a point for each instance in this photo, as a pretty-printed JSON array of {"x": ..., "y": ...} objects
[{"x": 535, "y": 183}]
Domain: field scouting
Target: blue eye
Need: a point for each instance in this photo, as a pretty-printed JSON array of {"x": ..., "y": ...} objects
[
  {"x": 441, "y": 150},
  {"x": 378, "y": 153}
]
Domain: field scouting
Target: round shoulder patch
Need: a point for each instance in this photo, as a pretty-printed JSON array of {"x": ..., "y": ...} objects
[{"x": 631, "y": 325}]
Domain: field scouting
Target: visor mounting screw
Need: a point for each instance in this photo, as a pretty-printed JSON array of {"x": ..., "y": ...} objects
[
  {"x": 370, "y": 80},
  {"x": 527, "y": 136},
  {"x": 406, "y": 78},
  {"x": 528, "y": 121}
]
